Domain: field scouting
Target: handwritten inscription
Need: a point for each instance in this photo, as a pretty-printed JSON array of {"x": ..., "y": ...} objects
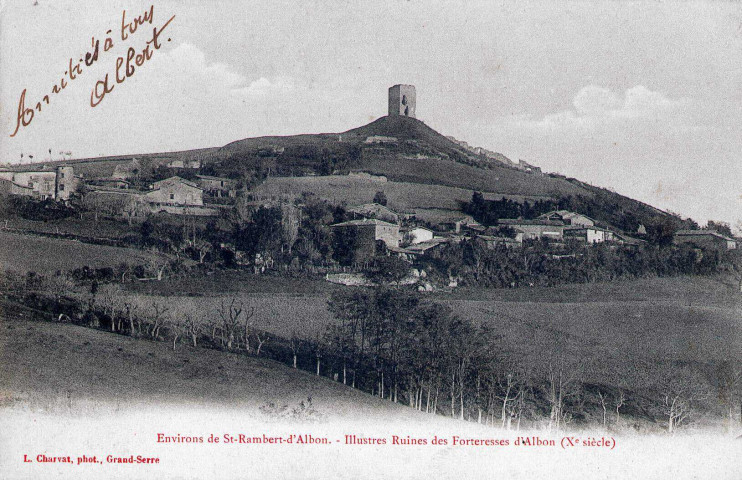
[
  {"x": 104, "y": 87},
  {"x": 125, "y": 65}
]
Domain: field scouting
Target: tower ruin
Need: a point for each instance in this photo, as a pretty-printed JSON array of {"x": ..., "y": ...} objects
[{"x": 402, "y": 100}]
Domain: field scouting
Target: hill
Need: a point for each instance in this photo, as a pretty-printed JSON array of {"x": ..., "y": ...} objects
[
  {"x": 402, "y": 149},
  {"x": 48, "y": 366}
]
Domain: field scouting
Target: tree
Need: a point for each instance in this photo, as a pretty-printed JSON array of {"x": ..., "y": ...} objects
[
  {"x": 290, "y": 221},
  {"x": 380, "y": 198},
  {"x": 385, "y": 270},
  {"x": 720, "y": 227},
  {"x": 135, "y": 206},
  {"x": 679, "y": 389}
]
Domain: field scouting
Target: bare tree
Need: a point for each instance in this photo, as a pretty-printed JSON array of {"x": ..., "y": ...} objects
[
  {"x": 110, "y": 300},
  {"x": 157, "y": 263},
  {"x": 729, "y": 377},
  {"x": 679, "y": 390},
  {"x": 235, "y": 325},
  {"x": 193, "y": 328},
  {"x": 603, "y": 403},
  {"x": 159, "y": 316},
  {"x": 135, "y": 206},
  {"x": 261, "y": 338}
]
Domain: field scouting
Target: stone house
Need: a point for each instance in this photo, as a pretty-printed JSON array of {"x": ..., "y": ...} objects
[
  {"x": 175, "y": 191},
  {"x": 588, "y": 234},
  {"x": 416, "y": 235},
  {"x": 364, "y": 234},
  {"x": 569, "y": 218},
  {"x": 705, "y": 239},
  {"x": 217, "y": 186},
  {"x": 491, "y": 242},
  {"x": 9, "y": 187},
  {"x": 58, "y": 184},
  {"x": 535, "y": 229}
]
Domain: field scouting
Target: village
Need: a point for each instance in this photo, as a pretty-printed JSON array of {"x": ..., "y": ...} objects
[{"x": 182, "y": 189}]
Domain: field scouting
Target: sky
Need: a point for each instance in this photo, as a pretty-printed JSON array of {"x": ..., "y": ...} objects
[{"x": 640, "y": 97}]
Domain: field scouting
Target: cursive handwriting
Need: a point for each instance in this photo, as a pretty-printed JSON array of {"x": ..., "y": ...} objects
[
  {"x": 75, "y": 68},
  {"x": 103, "y": 87},
  {"x": 140, "y": 20}
]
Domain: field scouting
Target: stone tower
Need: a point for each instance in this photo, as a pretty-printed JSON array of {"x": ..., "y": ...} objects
[
  {"x": 65, "y": 182},
  {"x": 402, "y": 100}
]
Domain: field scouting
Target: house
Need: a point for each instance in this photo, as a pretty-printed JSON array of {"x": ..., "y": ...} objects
[
  {"x": 628, "y": 241},
  {"x": 9, "y": 187},
  {"x": 491, "y": 242},
  {"x": 417, "y": 235},
  {"x": 175, "y": 191},
  {"x": 373, "y": 210},
  {"x": 180, "y": 163},
  {"x": 462, "y": 224},
  {"x": 58, "y": 184},
  {"x": 569, "y": 218},
  {"x": 536, "y": 229},
  {"x": 590, "y": 234},
  {"x": 429, "y": 247},
  {"x": 705, "y": 239},
  {"x": 112, "y": 183},
  {"x": 362, "y": 236},
  {"x": 217, "y": 186}
]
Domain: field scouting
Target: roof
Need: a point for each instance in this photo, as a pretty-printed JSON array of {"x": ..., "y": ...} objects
[
  {"x": 394, "y": 249},
  {"x": 15, "y": 184},
  {"x": 629, "y": 240},
  {"x": 409, "y": 229},
  {"x": 492, "y": 238},
  {"x": 586, "y": 228},
  {"x": 210, "y": 177},
  {"x": 521, "y": 221},
  {"x": 701, "y": 233},
  {"x": 364, "y": 222},
  {"x": 565, "y": 214},
  {"x": 423, "y": 246},
  {"x": 156, "y": 185}
]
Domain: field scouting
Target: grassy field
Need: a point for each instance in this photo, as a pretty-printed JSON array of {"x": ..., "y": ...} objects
[
  {"x": 404, "y": 196},
  {"x": 29, "y": 253},
  {"x": 683, "y": 319},
  {"x": 49, "y": 366}
]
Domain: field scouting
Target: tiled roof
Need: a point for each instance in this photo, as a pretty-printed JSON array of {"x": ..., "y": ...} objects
[{"x": 365, "y": 221}]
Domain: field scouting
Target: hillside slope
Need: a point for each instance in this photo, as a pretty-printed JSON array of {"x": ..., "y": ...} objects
[
  {"x": 61, "y": 366},
  {"x": 415, "y": 154}
]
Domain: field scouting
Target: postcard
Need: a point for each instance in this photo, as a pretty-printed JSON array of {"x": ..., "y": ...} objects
[{"x": 346, "y": 239}]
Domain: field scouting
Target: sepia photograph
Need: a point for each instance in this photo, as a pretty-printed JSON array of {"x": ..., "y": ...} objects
[{"x": 343, "y": 239}]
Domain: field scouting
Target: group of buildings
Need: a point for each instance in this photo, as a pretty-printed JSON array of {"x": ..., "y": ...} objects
[
  {"x": 173, "y": 195},
  {"x": 57, "y": 183},
  {"x": 374, "y": 225}
]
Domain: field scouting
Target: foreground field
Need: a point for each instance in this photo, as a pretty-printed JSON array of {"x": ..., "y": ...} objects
[
  {"x": 628, "y": 331},
  {"x": 29, "y": 253},
  {"x": 64, "y": 368}
]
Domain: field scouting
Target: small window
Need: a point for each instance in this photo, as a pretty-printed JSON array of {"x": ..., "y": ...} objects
[
  {"x": 172, "y": 196},
  {"x": 61, "y": 174},
  {"x": 61, "y": 187}
]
